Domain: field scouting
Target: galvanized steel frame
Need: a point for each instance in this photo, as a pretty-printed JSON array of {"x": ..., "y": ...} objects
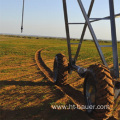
[{"x": 88, "y": 22}]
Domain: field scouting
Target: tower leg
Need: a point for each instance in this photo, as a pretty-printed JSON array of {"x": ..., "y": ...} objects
[
  {"x": 114, "y": 39},
  {"x": 67, "y": 31}
]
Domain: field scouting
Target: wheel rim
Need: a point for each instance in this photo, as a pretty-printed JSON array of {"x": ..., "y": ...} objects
[
  {"x": 55, "y": 69},
  {"x": 90, "y": 95}
]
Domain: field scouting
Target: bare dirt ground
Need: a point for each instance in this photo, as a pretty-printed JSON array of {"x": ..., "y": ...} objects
[
  {"x": 30, "y": 93},
  {"x": 71, "y": 92}
]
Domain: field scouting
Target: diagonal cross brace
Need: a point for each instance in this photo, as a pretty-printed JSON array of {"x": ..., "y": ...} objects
[
  {"x": 92, "y": 32},
  {"x": 84, "y": 30}
]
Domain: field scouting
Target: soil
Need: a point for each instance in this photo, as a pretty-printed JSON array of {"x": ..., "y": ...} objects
[{"x": 71, "y": 91}]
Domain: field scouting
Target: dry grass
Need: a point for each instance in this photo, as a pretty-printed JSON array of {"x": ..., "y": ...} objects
[{"x": 25, "y": 93}]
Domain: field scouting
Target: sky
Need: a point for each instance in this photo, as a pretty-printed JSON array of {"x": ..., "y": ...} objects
[{"x": 46, "y": 18}]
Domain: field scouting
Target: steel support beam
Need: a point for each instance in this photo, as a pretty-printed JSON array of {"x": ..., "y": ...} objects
[
  {"x": 67, "y": 31},
  {"x": 105, "y": 18},
  {"x": 114, "y": 38},
  {"x": 92, "y": 33},
  {"x": 84, "y": 30}
]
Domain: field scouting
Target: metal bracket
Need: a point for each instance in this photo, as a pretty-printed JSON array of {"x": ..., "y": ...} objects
[
  {"x": 117, "y": 89},
  {"x": 80, "y": 70}
]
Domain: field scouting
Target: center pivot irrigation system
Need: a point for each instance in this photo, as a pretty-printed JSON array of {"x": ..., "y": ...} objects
[{"x": 101, "y": 85}]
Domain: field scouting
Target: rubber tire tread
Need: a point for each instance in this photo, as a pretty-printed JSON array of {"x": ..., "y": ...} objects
[
  {"x": 104, "y": 90},
  {"x": 62, "y": 69}
]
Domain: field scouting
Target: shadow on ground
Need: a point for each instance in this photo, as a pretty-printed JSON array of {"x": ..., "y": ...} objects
[{"x": 44, "y": 110}]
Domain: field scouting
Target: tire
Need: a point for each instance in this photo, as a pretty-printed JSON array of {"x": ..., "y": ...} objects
[
  {"x": 99, "y": 92},
  {"x": 60, "y": 69}
]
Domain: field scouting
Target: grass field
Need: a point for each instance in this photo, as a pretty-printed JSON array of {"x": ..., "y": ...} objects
[{"x": 25, "y": 92}]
